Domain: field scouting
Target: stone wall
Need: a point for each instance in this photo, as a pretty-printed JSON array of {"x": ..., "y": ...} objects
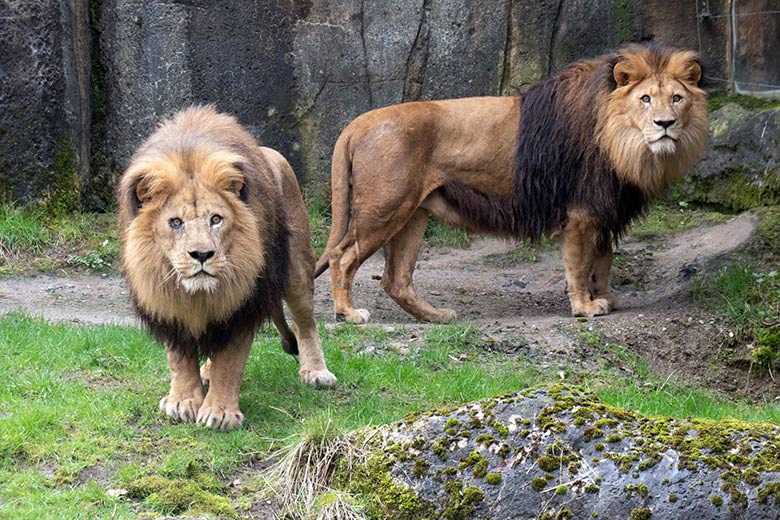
[{"x": 83, "y": 83}]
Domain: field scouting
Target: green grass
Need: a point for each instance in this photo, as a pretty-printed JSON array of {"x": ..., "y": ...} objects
[
  {"x": 33, "y": 241},
  {"x": 78, "y": 408},
  {"x": 665, "y": 219},
  {"x": 440, "y": 235},
  {"x": 750, "y": 301}
]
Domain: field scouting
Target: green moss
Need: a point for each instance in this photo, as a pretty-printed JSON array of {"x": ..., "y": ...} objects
[
  {"x": 539, "y": 483},
  {"x": 772, "y": 489},
  {"x": 452, "y": 426},
  {"x": 591, "y": 432},
  {"x": 479, "y": 463},
  {"x": 548, "y": 463},
  {"x": 614, "y": 437},
  {"x": 716, "y": 500},
  {"x": 735, "y": 188},
  {"x": 753, "y": 103},
  {"x": 420, "y": 468},
  {"x": 502, "y": 430},
  {"x": 599, "y": 446},
  {"x": 622, "y": 14},
  {"x": 672, "y": 498},
  {"x": 561, "y": 490},
  {"x": 493, "y": 479},
  {"x": 63, "y": 181},
  {"x": 640, "y": 490},
  {"x": 592, "y": 488},
  {"x": 461, "y": 502},
  {"x": 180, "y": 497},
  {"x": 640, "y": 513}
]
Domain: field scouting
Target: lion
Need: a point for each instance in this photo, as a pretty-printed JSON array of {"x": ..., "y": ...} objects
[
  {"x": 214, "y": 237},
  {"x": 578, "y": 157}
]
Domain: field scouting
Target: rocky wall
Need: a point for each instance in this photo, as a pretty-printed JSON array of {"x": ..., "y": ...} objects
[{"x": 85, "y": 82}]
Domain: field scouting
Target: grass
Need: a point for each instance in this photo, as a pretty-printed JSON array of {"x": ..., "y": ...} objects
[
  {"x": 34, "y": 241},
  {"x": 79, "y": 419},
  {"x": 667, "y": 218},
  {"x": 750, "y": 301}
]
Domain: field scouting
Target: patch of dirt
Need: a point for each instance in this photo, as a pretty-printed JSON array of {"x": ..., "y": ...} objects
[{"x": 521, "y": 306}]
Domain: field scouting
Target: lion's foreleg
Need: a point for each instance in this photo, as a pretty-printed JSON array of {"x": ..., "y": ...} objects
[
  {"x": 186, "y": 394},
  {"x": 580, "y": 239},
  {"x": 600, "y": 279},
  {"x": 226, "y": 369}
]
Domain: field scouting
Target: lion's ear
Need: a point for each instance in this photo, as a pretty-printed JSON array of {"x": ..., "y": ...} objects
[
  {"x": 133, "y": 192},
  {"x": 690, "y": 71},
  {"x": 238, "y": 186},
  {"x": 623, "y": 73}
]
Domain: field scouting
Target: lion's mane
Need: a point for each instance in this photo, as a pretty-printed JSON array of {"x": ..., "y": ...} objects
[
  {"x": 203, "y": 324},
  {"x": 572, "y": 152}
]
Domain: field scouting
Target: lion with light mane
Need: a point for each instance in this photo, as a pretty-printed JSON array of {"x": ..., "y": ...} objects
[
  {"x": 214, "y": 236},
  {"x": 578, "y": 156}
]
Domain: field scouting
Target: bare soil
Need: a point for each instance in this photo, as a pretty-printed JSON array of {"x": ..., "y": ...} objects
[{"x": 519, "y": 304}]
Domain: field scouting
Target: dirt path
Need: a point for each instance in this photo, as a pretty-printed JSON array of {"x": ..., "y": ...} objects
[{"x": 520, "y": 305}]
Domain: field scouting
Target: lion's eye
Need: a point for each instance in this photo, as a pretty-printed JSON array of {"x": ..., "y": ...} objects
[
  {"x": 175, "y": 223},
  {"x": 676, "y": 98},
  {"x": 645, "y": 99},
  {"x": 215, "y": 219}
]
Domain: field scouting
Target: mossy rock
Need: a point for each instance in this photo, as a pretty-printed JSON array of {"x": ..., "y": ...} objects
[
  {"x": 741, "y": 167},
  {"x": 552, "y": 466}
]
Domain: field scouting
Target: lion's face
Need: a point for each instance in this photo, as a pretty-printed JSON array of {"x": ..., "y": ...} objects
[
  {"x": 655, "y": 123},
  {"x": 193, "y": 230},
  {"x": 193, "y": 236},
  {"x": 659, "y": 108}
]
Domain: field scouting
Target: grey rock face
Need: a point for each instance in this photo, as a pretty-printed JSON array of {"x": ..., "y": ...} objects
[
  {"x": 741, "y": 167},
  {"x": 561, "y": 453},
  {"x": 84, "y": 83},
  {"x": 162, "y": 56},
  {"x": 44, "y": 80}
]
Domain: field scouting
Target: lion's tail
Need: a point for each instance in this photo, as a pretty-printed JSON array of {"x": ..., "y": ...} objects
[{"x": 341, "y": 171}]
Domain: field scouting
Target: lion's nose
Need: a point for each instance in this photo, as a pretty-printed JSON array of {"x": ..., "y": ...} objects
[
  {"x": 666, "y": 123},
  {"x": 201, "y": 256}
]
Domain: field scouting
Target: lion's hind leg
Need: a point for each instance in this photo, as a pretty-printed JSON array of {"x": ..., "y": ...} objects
[{"x": 401, "y": 254}]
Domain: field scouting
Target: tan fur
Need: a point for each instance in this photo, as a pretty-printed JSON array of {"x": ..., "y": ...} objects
[
  {"x": 388, "y": 164},
  {"x": 193, "y": 168}
]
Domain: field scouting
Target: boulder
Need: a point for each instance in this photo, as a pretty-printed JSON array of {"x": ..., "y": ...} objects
[
  {"x": 741, "y": 167},
  {"x": 559, "y": 452}
]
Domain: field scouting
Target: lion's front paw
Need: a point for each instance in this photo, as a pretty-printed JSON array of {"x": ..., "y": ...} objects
[
  {"x": 598, "y": 307},
  {"x": 220, "y": 418},
  {"x": 354, "y": 316},
  {"x": 606, "y": 295},
  {"x": 184, "y": 410},
  {"x": 321, "y": 377}
]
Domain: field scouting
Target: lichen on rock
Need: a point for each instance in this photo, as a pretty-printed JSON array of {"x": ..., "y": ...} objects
[{"x": 451, "y": 464}]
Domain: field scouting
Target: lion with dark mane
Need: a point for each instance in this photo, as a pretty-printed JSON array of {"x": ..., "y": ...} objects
[
  {"x": 579, "y": 155},
  {"x": 214, "y": 236}
]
